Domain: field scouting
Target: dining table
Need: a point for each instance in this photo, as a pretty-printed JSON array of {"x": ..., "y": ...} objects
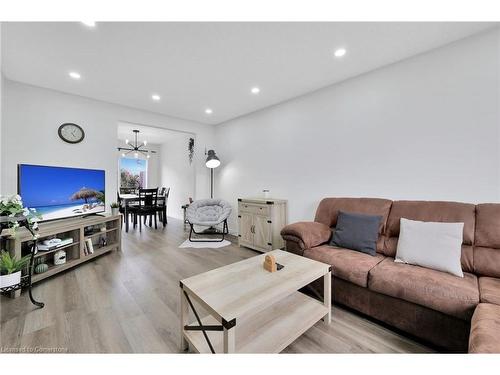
[{"x": 127, "y": 199}]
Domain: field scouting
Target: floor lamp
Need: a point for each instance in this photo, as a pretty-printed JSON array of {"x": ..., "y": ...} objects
[{"x": 212, "y": 162}]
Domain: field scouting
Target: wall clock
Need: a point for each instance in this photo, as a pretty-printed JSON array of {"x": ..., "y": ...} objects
[{"x": 71, "y": 133}]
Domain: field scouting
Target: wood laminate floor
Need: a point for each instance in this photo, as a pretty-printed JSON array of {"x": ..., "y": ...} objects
[{"x": 128, "y": 302}]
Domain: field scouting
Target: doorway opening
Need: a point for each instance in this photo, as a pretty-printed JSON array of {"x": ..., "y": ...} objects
[{"x": 156, "y": 157}]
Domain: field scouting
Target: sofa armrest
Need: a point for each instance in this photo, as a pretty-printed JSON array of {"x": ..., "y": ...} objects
[{"x": 306, "y": 234}]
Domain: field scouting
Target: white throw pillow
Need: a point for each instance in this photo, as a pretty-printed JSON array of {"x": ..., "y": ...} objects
[{"x": 433, "y": 245}]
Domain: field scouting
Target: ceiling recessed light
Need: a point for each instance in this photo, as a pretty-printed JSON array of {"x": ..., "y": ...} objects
[
  {"x": 340, "y": 52},
  {"x": 89, "y": 23},
  {"x": 255, "y": 90},
  {"x": 155, "y": 97},
  {"x": 75, "y": 75},
  {"x": 208, "y": 111}
]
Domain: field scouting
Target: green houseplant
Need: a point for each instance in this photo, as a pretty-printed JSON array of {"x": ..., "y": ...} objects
[
  {"x": 12, "y": 211},
  {"x": 114, "y": 208},
  {"x": 10, "y": 269},
  {"x": 191, "y": 150}
]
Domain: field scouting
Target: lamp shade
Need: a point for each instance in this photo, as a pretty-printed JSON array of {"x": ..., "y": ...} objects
[{"x": 212, "y": 160}]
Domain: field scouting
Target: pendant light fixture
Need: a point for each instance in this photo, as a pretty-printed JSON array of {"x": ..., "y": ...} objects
[{"x": 136, "y": 147}]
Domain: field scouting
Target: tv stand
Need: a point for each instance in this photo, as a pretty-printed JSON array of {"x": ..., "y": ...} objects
[{"x": 107, "y": 227}]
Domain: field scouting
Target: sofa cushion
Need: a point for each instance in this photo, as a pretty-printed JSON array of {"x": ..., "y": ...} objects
[
  {"x": 489, "y": 290},
  {"x": 433, "y": 245},
  {"x": 328, "y": 210},
  {"x": 485, "y": 329},
  {"x": 488, "y": 222},
  {"x": 443, "y": 212},
  {"x": 357, "y": 232},
  {"x": 436, "y": 290},
  {"x": 487, "y": 240},
  {"x": 348, "y": 265}
]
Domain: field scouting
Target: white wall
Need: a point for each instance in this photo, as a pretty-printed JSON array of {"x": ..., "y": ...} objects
[
  {"x": 154, "y": 166},
  {"x": 424, "y": 128},
  {"x": 32, "y": 116},
  {"x": 177, "y": 173},
  {"x": 1, "y": 100}
]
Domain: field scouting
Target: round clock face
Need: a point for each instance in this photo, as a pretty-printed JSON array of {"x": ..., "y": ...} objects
[{"x": 71, "y": 133}]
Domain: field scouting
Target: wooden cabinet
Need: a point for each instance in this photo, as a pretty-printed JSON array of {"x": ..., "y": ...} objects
[
  {"x": 246, "y": 228},
  {"x": 260, "y": 222}
]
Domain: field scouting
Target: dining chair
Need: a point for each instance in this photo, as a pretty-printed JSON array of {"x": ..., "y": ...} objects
[
  {"x": 148, "y": 206},
  {"x": 162, "y": 207}
]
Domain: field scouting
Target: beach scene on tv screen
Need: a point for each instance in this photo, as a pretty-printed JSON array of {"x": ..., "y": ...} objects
[{"x": 62, "y": 192}]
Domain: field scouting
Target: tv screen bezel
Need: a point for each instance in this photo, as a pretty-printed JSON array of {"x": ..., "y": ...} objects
[{"x": 57, "y": 166}]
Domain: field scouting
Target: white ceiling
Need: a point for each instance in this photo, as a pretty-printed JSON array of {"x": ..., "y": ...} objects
[
  {"x": 147, "y": 133},
  {"x": 198, "y": 65}
]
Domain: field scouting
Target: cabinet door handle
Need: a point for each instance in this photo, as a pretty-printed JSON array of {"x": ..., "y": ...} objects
[{"x": 253, "y": 229}]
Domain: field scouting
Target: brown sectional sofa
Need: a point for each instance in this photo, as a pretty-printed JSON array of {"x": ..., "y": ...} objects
[
  {"x": 485, "y": 329},
  {"x": 432, "y": 305}
]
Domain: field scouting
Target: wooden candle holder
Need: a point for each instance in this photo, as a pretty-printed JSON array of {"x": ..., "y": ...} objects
[{"x": 270, "y": 263}]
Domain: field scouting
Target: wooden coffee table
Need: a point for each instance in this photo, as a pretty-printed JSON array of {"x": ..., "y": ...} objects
[{"x": 250, "y": 310}]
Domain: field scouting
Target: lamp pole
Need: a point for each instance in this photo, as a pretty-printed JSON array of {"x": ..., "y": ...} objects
[
  {"x": 211, "y": 183},
  {"x": 211, "y": 162}
]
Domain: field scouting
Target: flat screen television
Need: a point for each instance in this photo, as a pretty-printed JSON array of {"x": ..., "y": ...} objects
[{"x": 60, "y": 192}]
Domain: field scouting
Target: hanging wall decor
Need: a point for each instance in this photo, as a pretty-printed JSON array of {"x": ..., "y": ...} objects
[{"x": 191, "y": 149}]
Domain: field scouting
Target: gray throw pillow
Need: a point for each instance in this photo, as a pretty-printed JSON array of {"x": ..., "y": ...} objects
[{"x": 357, "y": 232}]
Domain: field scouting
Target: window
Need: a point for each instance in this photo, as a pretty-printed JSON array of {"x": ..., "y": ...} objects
[{"x": 133, "y": 173}]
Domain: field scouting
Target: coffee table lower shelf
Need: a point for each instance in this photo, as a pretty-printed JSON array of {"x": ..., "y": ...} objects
[{"x": 268, "y": 331}]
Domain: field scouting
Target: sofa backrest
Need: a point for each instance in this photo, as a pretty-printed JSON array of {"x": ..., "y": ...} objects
[
  {"x": 329, "y": 208},
  {"x": 447, "y": 212},
  {"x": 487, "y": 240},
  {"x": 481, "y": 236}
]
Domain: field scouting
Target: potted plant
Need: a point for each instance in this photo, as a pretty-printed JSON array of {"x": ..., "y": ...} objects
[
  {"x": 12, "y": 212},
  {"x": 114, "y": 208},
  {"x": 10, "y": 269},
  {"x": 191, "y": 149}
]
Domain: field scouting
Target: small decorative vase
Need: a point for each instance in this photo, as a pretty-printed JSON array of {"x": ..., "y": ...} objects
[
  {"x": 59, "y": 257},
  {"x": 41, "y": 268},
  {"x": 114, "y": 211},
  {"x": 11, "y": 279}
]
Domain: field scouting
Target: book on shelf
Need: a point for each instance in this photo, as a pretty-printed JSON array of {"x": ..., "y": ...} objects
[
  {"x": 65, "y": 241},
  {"x": 42, "y": 247},
  {"x": 51, "y": 246},
  {"x": 90, "y": 246}
]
